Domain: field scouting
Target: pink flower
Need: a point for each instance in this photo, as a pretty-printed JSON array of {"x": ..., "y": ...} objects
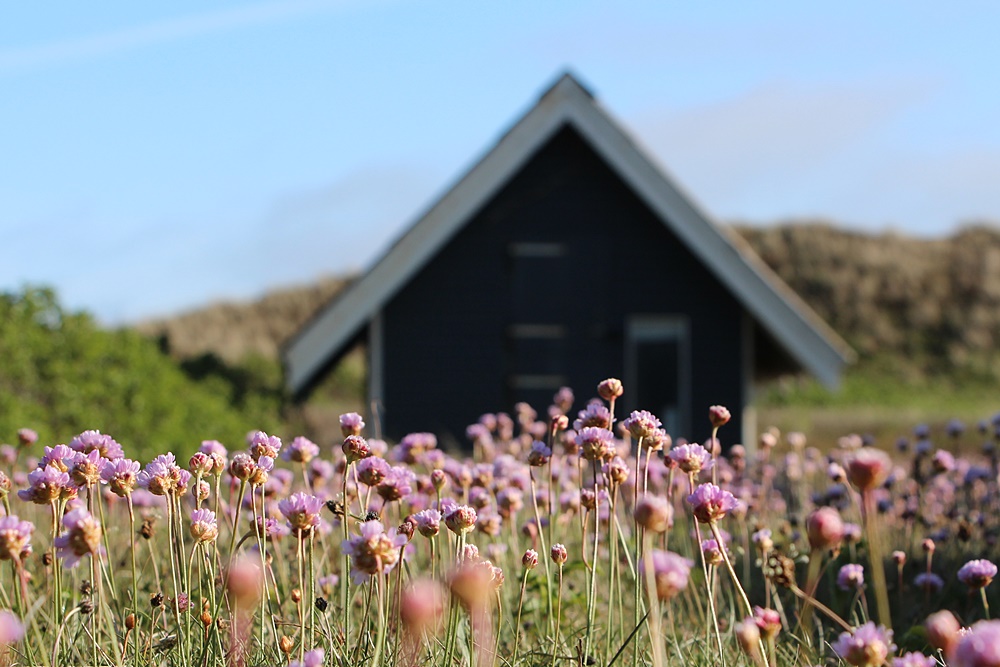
[
  {"x": 709, "y": 503},
  {"x": 670, "y": 573},
  {"x": 867, "y": 646},
  {"x": 15, "y": 538},
  {"x": 851, "y": 577},
  {"x": 691, "y": 459},
  {"x": 980, "y": 647},
  {"x": 11, "y": 629},
  {"x": 82, "y": 538},
  {"x": 868, "y": 468},
  {"x": 977, "y": 573},
  {"x": 372, "y": 552},
  {"x": 302, "y": 512}
]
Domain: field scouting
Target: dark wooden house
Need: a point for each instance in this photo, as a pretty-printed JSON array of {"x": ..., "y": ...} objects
[{"x": 565, "y": 256}]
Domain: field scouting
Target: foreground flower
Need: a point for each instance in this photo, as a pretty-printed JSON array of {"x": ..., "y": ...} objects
[
  {"x": 45, "y": 485},
  {"x": 977, "y": 573},
  {"x": 11, "y": 629},
  {"x": 691, "y": 459},
  {"x": 121, "y": 476},
  {"x": 868, "y": 468},
  {"x": 82, "y": 537},
  {"x": 979, "y": 647},
  {"x": 709, "y": 503},
  {"x": 867, "y": 646},
  {"x": 15, "y": 538},
  {"x": 372, "y": 552},
  {"x": 313, "y": 658},
  {"x": 914, "y": 659},
  {"x": 204, "y": 527},
  {"x": 825, "y": 529},
  {"x": 851, "y": 577},
  {"x": 670, "y": 573},
  {"x": 301, "y": 510},
  {"x": 422, "y": 606}
]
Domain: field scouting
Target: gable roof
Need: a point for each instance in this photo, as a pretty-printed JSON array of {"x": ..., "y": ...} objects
[{"x": 809, "y": 340}]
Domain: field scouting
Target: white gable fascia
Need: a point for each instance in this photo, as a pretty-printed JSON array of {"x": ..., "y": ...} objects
[{"x": 790, "y": 321}]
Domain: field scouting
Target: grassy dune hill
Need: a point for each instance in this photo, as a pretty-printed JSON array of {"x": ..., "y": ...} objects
[{"x": 923, "y": 314}]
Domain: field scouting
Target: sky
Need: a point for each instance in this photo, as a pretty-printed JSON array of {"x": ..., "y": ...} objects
[{"x": 156, "y": 157}]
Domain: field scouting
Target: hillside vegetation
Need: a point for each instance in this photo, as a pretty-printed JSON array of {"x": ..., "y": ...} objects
[{"x": 62, "y": 374}]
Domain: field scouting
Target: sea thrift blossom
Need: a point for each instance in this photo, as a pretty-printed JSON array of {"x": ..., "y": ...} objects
[
  {"x": 15, "y": 538},
  {"x": 539, "y": 454},
  {"x": 929, "y": 582},
  {"x": 204, "y": 527},
  {"x": 914, "y": 659},
  {"x": 45, "y": 485},
  {"x": 103, "y": 444},
  {"x": 82, "y": 537},
  {"x": 768, "y": 621},
  {"x": 709, "y": 503},
  {"x": 351, "y": 423},
  {"x": 11, "y": 629},
  {"x": 355, "y": 448},
  {"x": 559, "y": 554},
  {"x": 977, "y": 573},
  {"x": 979, "y": 647},
  {"x": 313, "y": 658},
  {"x": 421, "y": 607},
  {"x": 718, "y": 415},
  {"x": 301, "y": 450},
  {"x": 867, "y": 646},
  {"x": 943, "y": 630},
  {"x": 87, "y": 468},
  {"x": 372, "y": 470},
  {"x": 691, "y": 459},
  {"x": 161, "y": 476},
  {"x": 372, "y": 552},
  {"x": 868, "y": 468},
  {"x": 825, "y": 529},
  {"x": 26, "y": 437},
  {"x": 670, "y": 573},
  {"x": 262, "y": 444},
  {"x": 60, "y": 457},
  {"x": 642, "y": 424},
  {"x": 851, "y": 577},
  {"x": 530, "y": 559},
  {"x": 397, "y": 484},
  {"x": 595, "y": 415},
  {"x": 244, "y": 578},
  {"x": 654, "y": 513},
  {"x": 713, "y": 554},
  {"x": 428, "y": 522},
  {"x": 301, "y": 510},
  {"x": 461, "y": 519},
  {"x": 595, "y": 443}
]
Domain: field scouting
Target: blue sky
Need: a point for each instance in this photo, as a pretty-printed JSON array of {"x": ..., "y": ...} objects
[{"x": 158, "y": 156}]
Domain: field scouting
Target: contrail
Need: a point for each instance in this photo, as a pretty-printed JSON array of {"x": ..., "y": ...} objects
[{"x": 109, "y": 43}]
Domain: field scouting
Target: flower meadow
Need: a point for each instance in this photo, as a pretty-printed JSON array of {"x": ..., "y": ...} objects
[{"x": 574, "y": 537}]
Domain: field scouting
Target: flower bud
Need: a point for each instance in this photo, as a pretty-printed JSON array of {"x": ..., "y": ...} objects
[
  {"x": 610, "y": 389},
  {"x": 943, "y": 630},
  {"x": 559, "y": 554},
  {"x": 825, "y": 529},
  {"x": 530, "y": 559},
  {"x": 718, "y": 416},
  {"x": 654, "y": 513},
  {"x": 286, "y": 644}
]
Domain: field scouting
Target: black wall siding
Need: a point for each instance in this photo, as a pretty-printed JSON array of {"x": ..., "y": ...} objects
[{"x": 448, "y": 355}]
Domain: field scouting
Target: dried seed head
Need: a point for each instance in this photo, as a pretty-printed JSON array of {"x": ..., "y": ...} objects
[
  {"x": 130, "y": 622},
  {"x": 86, "y": 588},
  {"x": 147, "y": 529},
  {"x": 206, "y": 619},
  {"x": 336, "y": 508},
  {"x": 87, "y": 607},
  {"x": 156, "y": 600},
  {"x": 321, "y": 604},
  {"x": 780, "y": 569},
  {"x": 286, "y": 644},
  {"x": 296, "y": 595}
]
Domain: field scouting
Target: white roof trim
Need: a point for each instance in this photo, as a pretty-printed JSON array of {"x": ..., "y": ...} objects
[{"x": 789, "y": 320}]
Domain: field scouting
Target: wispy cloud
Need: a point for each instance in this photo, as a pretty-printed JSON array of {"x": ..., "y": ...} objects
[{"x": 109, "y": 43}]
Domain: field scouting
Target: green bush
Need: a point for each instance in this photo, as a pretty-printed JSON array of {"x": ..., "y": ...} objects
[{"x": 61, "y": 373}]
